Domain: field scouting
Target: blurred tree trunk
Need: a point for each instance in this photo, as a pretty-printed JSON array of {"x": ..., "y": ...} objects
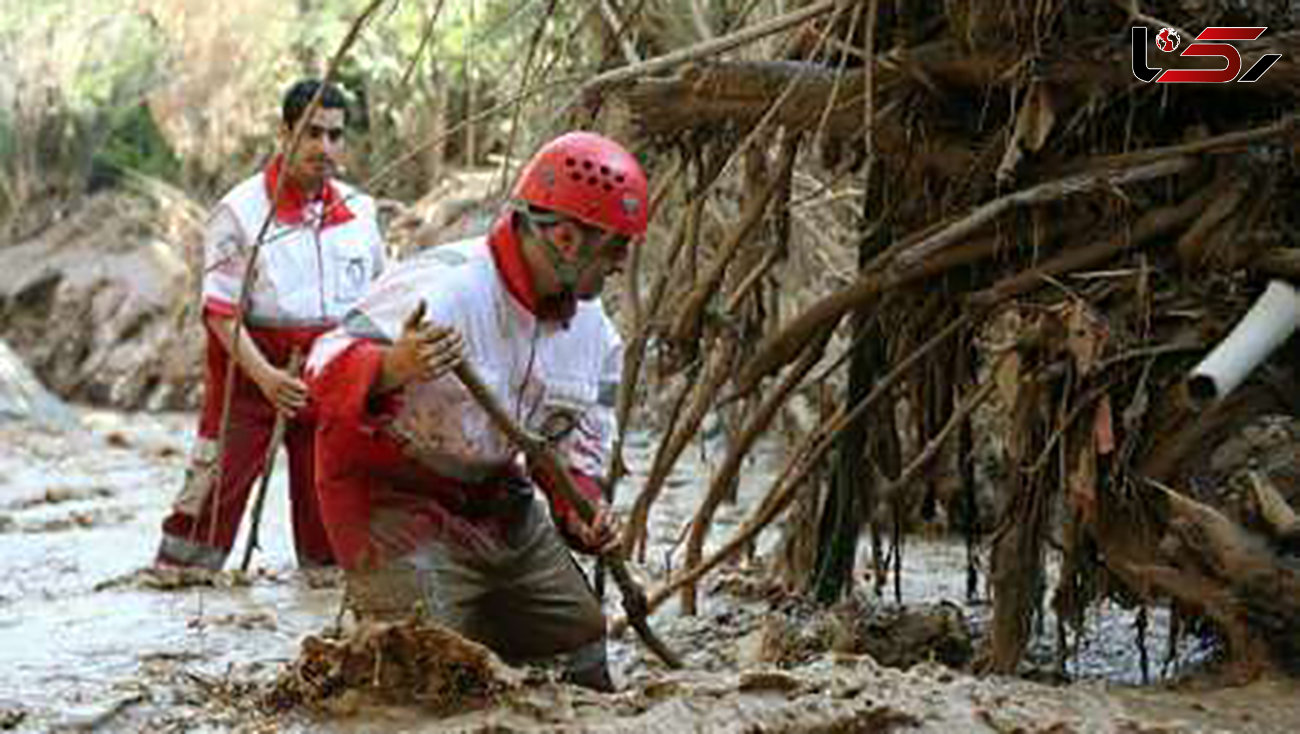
[
  {"x": 308, "y": 60},
  {"x": 471, "y": 96}
]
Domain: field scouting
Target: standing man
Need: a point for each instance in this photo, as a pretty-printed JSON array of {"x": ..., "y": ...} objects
[
  {"x": 428, "y": 506},
  {"x": 319, "y": 253}
]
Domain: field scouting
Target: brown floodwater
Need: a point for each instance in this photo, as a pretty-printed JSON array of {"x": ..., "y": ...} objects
[{"x": 88, "y": 643}]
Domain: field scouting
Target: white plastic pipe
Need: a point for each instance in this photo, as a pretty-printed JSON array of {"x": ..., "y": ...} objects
[{"x": 1268, "y": 323}]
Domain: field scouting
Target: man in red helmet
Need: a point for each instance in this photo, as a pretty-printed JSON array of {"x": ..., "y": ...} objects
[{"x": 427, "y": 505}]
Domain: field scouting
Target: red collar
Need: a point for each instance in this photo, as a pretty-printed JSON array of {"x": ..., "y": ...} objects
[
  {"x": 508, "y": 255},
  {"x": 509, "y": 259},
  {"x": 291, "y": 208}
]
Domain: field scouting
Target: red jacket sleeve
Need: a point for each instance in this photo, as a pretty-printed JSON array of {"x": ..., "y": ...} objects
[
  {"x": 348, "y": 444},
  {"x": 588, "y": 486}
]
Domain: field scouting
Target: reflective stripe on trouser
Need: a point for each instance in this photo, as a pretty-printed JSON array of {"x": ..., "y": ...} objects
[
  {"x": 526, "y": 599},
  {"x": 205, "y": 517}
]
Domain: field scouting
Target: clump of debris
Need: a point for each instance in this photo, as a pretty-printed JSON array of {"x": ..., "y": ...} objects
[{"x": 413, "y": 662}]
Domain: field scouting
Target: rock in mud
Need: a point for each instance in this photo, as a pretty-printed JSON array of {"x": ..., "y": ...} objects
[
  {"x": 896, "y": 637},
  {"x": 902, "y": 637},
  {"x": 23, "y": 397},
  {"x": 11, "y": 718}
]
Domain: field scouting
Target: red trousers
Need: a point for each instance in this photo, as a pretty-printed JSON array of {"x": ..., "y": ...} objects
[{"x": 206, "y": 514}]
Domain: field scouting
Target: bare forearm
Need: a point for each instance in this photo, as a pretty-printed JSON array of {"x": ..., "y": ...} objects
[
  {"x": 248, "y": 355},
  {"x": 280, "y": 387}
]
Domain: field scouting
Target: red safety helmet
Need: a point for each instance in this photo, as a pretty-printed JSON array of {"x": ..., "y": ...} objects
[{"x": 590, "y": 178}]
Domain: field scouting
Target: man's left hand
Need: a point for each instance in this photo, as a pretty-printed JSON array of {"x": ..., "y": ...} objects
[{"x": 596, "y": 538}]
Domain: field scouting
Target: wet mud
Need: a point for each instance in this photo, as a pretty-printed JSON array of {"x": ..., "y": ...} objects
[{"x": 92, "y": 640}]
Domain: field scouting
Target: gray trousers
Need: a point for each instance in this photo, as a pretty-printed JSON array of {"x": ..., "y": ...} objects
[{"x": 525, "y": 598}]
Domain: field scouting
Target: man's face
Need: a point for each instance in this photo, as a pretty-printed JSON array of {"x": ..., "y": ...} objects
[
  {"x": 319, "y": 149},
  {"x": 610, "y": 255},
  {"x": 596, "y": 253}
]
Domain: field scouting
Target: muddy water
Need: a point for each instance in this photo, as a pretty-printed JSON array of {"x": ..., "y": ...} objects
[{"x": 88, "y": 643}]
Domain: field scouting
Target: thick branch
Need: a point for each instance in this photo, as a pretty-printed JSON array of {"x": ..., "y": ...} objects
[
  {"x": 709, "y": 48},
  {"x": 896, "y": 266}
]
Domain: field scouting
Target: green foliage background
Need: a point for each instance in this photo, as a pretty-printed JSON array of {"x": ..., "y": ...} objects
[{"x": 189, "y": 93}]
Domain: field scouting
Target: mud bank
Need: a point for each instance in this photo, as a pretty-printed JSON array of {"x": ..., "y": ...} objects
[{"x": 101, "y": 304}]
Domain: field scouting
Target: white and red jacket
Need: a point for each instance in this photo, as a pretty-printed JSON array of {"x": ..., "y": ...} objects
[
  {"x": 315, "y": 260},
  {"x": 376, "y": 501}
]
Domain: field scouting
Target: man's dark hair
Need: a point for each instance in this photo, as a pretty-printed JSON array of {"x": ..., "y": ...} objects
[{"x": 300, "y": 95}]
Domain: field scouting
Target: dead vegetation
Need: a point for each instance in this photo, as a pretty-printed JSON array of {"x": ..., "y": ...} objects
[
  {"x": 412, "y": 662},
  {"x": 895, "y": 637},
  {"x": 1045, "y": 246}
]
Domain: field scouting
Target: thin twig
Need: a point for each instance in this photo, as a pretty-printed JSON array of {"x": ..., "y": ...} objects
[
  {"x": 634, "y": 353},
  {"x": 633, "y": 356},
  {"x": 890, "y": 493},
  {"x": 523, "y": 87},
  {"x": 425, "y": 38},
  {"x": 396, "y": 164},
  {"x": 1064, "y": 423},
  {"x": 1044, "y": 192},
  {"x": 1226, "y": 143},
  {"x": 629, "y": 21},
  {"x": 869, "y": 96},
  {"x": 806, "y": 456},
  {"x": 701, "y": 23},
  {"x": 731, "y": 464},
  {"x": 542, "y": 456},
  {"x": 268, "y": 464},
  {"x": 770, "y": 258},
  {"x": 1150, "y": 225},
  {"x": 720, "y": 365},
  {"x": 616, "y": 26},
  {"x": 896, "y": 264},
  {"x": 688, "y": 321},
  {"x": 708, "y": 48},
  {"x": 632, "y": 362},
  {"x": 839, "y": 76}
]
